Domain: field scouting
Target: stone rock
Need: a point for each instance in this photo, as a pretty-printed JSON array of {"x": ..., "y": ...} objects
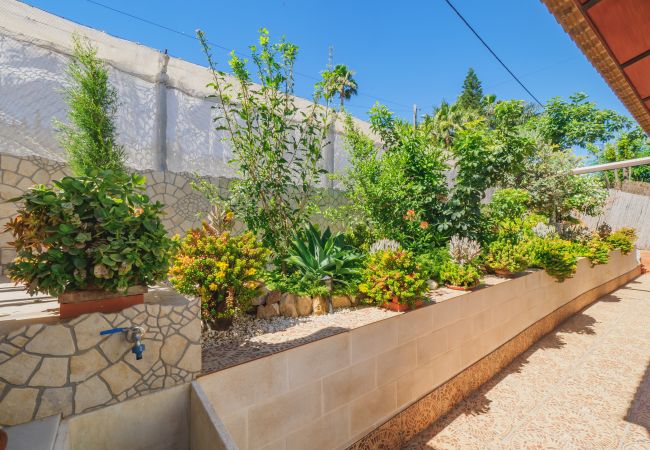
[
  {"x": 288, "y": 305},
  {"x": 19, "y": 368},
  {"x": 90, "y": 393},
  {"x": 304, "y": 305},
  {"x": 354, "y": 300},
  {"x": 268, "y": 311},
  {"x": 341, "y": 301},
  {"x": 27, "y": 168},
  {"x": 432, "y": 284},
  {"x": 173, "y": 349},
  {"x": 191, "y": 360},
  {"x": 273, "y": 297},
  {"x": 319, "y": 305},
  {"x": 120, "y": 377},
  {"x": 261, "y": 299},
  {"x": 115, "y": 347},
  {"x": 8, "y": 349},
  {"x": 192, "y": 331},
  {"x": 33, "y": 329},
  {"x": 19, "y": 341},
  {"x": 87, "y": 331},
  {"x": 53, "y": 373},
  {"x": 55, "y": 401},
  {"x": 18, "y": 406},
  {"x": 52, "y": 340},
  {"x": 85, "y": 365}
]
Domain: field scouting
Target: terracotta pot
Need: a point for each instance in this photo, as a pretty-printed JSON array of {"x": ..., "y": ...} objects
[
  {"x": 504, "y": 273},
  {"x": 76, "y": 303},
  {"x": 461, "y": 288},
  {"x": 395, "y": 305},
  {"x": 3, "y": 439}
]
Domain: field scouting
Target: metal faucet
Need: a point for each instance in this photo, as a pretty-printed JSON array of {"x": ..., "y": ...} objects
[{"x": 133, "y": 334}]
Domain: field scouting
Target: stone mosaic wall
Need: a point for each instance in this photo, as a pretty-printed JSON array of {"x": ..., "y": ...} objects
[
  {"x": 184, "y": 206},
  {"x": 69, "y": 368}
]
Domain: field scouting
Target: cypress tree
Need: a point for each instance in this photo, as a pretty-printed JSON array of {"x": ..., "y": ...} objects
[
  {"x": 89, "y": 137},
  {"x": 472, "y": 93}
]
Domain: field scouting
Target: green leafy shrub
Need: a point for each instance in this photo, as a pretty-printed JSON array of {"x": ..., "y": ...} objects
[
  {"x": 296, "y": 283},
  {"x": 317, "y": 255},
  {"x": 99, "y": 231},
  {"x": 504, "y": 254},
  {"x": 399, "y": 189},
  {"x": 596, "y": 249},
  {"x": 556, "y": 256},
  {"x": 462, "y": 275},
  {"x": 392, "y": 274},
  {"x": 432, "y": 262},
  {"x": 507, "y": 204},
  {"x": 622, "y": 239},
  {"x": 222, "y": 269}
]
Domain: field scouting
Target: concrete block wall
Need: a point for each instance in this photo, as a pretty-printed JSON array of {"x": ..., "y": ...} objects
[{"x": 330, "y": 393}]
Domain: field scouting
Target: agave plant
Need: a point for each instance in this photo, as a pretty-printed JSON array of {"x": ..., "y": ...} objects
[{"x": 318, "y": 256}]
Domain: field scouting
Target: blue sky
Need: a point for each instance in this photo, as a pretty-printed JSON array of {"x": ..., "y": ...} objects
[{"x": 403, "y": 52}]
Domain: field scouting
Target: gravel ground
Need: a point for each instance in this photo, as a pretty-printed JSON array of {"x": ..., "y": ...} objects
[{"x": 251, "y": 338}]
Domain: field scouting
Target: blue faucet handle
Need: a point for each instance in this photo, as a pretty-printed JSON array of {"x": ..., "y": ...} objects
[{"x": 113, "y": 331}]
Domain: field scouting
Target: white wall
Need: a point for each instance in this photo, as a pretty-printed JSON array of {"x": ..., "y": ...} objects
[{"x": 164, "y": 119}]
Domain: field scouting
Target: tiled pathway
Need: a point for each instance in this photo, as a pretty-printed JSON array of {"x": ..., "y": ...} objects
[{"x": 584, "y": 386}]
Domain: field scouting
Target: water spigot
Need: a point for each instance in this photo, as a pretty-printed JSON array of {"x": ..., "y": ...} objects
[{"x": 133, "y": 334}]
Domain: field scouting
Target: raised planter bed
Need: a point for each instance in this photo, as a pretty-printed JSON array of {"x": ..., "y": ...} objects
[{"x": 356, "y": 380}]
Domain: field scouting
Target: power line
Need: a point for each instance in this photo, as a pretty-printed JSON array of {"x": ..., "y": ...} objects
[
  {"x": 492, "y": 51},
  {"x": 189, "y": 36}
]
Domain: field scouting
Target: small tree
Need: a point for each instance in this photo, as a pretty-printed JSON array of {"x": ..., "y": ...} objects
[
  {"x": 471, "y": 96},
  {"x": 277, "y": 144},
  {"x": 89, "y": 138},
  {"x": 578, "y": 122}
]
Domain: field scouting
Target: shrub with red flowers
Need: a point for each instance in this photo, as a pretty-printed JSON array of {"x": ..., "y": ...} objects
[{"x": 393, "y": 274}]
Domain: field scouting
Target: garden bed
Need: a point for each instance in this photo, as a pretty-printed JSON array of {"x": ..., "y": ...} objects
[{"x": 252, "y": 338}]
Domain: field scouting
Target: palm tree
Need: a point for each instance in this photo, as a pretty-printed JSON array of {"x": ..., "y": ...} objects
[
  {"x": 339, "y": 81},
  {"x": 445, "y": 121}
]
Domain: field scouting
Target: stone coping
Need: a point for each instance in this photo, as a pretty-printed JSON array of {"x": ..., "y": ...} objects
[{"x": 17, "y": 308}]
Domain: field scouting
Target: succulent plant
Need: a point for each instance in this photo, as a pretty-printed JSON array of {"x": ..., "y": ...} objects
[
  {"x": 384, "y": 244},
  {"x": 463, "y": 250},
  {"x": 544, "y": 231}
]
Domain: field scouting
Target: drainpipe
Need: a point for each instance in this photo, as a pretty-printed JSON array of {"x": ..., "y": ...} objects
[{"x": 161, "y": 112}]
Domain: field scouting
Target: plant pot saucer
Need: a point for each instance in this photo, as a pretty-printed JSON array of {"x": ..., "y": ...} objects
[
  {"x": 401, "y": 307},
  {"x": 504, "y": 273},
  {"x": 461, "y": 288}
]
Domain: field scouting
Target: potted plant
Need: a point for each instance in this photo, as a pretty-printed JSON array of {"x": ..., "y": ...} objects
[
  {"x": 94, "y": 241},
  {"x": 462, "y": 277},
  {"x": 393, "y": 280},
  {"x": 506, "y": 258}
]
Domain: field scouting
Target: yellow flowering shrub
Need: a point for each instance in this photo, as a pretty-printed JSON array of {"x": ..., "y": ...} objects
[{"x": 220, "y": 268}]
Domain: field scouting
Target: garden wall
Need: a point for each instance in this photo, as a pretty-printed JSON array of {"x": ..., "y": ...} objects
[
  {"x": 68, "y": 368},
  {"x": 164, "y": 119},
  {"x": 332, "y": 392}
]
